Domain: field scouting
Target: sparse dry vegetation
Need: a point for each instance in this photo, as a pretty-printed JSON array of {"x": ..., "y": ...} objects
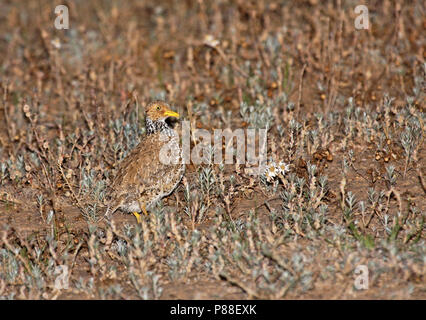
[{"x": 343, "y": 107}]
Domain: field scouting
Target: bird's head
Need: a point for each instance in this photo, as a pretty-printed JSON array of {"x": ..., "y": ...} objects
[{"x": 157, "y": 112}]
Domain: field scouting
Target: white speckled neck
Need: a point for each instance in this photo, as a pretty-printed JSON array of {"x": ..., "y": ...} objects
[{"x": 155, "y": 126}]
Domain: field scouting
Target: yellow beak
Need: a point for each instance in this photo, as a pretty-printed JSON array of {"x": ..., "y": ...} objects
[{"x": 170, "y": 113}]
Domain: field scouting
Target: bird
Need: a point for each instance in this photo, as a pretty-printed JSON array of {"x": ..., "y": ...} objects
[{"x": 153, "y": 169}]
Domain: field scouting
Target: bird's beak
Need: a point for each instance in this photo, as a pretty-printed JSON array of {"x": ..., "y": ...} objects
[{"x": 170, "y": 113}]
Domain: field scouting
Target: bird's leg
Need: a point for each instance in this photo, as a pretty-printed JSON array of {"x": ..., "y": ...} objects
[
  {"x": 143, "y": 209},
  {"x": 138, "y": 216}
]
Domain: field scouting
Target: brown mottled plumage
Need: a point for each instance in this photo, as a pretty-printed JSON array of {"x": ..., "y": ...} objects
[{"x": 142, "y": 178}]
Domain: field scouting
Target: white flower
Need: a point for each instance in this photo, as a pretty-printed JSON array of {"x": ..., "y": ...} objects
[
  {"x": 210, "y": 41},
  {"x": 271, "y": 171},
  {"x": 283, "y": 167}
]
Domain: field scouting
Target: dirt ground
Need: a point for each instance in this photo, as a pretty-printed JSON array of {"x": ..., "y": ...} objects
[{"x": 343, "y": 107}]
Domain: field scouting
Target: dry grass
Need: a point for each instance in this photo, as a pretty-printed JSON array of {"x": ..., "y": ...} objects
[{"x": 344, "y": 107}]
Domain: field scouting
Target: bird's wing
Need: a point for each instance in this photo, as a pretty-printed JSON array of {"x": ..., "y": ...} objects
[{"x": 142, "y": 167}]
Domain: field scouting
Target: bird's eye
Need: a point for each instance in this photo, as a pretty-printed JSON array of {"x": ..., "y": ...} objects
[{"x": 158, "y": 108}]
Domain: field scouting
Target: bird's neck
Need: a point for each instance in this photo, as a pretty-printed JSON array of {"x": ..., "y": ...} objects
[{"x": 156, "y": 126}]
